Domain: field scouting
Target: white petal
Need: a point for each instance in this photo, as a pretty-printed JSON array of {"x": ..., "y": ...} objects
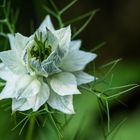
[
  {"x": 15, "y": 85},
  {"x": 64, "y": 37},
  {"x": 8, "y": 91},
  {"x": 21, "y": 42},
  {"x": 20, "y": 105},
  {"x": 83, "y": 78},
  {"x": 5, "y": 73},
  {"x": 52, "y": 41},
  {"x": 32, "y": 102},
  {"x": 12, "y": 61},
  {"x": 12, "y": 41},
  {"x": 46, "y": 23},
  {"x": 75, "y": 45},
  {"x": 27, "y": 87},
  {"x": 64, "y": 84},
  {"x": 77, "y": 60},
  {"x": 61, "y": 103},
  {"x": 40, "y": 98}
]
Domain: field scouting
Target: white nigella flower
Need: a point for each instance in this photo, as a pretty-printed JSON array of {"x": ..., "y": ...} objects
[{"x": 44, "y": 68}]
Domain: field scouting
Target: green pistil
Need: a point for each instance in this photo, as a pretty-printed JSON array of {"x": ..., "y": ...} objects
[{"x": 39, "y": 50}]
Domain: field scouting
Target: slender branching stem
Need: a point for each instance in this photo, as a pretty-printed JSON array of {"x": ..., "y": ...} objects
[{"x": 29, "y": 135}]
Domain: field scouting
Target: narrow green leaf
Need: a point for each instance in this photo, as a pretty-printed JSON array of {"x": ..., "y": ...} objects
[
  {"x": 54, "y": 6},
  {"x": 16, "y": 15},
  {"x": 55, "y": 125},
  {"x": 5, "y": 105},
  {"x": 85, "y": 24},
  {"x": 119, "y": 87},
  {"x": 114, "y": 62},
  {"x": 50, "y": 11},
  {"x": 25, "y": 114},
  {"x": 21, "y": 130},
  {"x": 122, "y": 92},
  {"x": 115, "y": 130},
  {"x": 7, "y": 10},
  {"x": 68, "y": 6},
  {"x": 67, "y": 121},
  {"x": 19, "y": 123},
  {"x": 91, "y": 91},
  {"x": 98, "y": 47},
  {"x": 79, "y": 18}
]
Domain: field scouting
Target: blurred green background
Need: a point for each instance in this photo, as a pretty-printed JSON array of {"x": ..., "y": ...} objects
[{"x": 118, "y": 24}]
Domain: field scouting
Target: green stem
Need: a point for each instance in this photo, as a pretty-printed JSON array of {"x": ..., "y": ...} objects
[
  {"x": 85, "y": 24},
  {"x": 30, "y": 129},
  {"x": 61, "y": 25},
  {"x": 10, "y": 27},
  {"x": 8, "y": 23}
]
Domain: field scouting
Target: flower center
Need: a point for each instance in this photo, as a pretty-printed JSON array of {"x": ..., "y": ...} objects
[
  {"x": 41, "y": 50},
  {"x": 35, "y": 53}
]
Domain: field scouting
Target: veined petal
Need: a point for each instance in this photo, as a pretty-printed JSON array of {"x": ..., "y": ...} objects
[
  {"x": 39, "y": 99},
  {"x": 51, "y": 64},
  {"x": 64, "y": 83},
  {"x": 37, "y": 68},
  {"x": 83, "y": 78},
  {"x": 20, "y": 104},
  {"x": 50, "y": 67},
  {"x": 61, "y": 103},
  {"x": 32, "y": 101},
  {"x": 75, "y": 45},
  {"x": 12, "y": 61},
  {"x": 29, "y": 88},
  {"x": 15, "y": 86},
  {"x": 64, "y": 37},
  {"x": 77, "y": 60},
  {"x": 55, "y": 57},
  {"x": 35, "y": 64},
  {"x": 46, "y": 23},
  {"x": 12, "y": 41}
]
